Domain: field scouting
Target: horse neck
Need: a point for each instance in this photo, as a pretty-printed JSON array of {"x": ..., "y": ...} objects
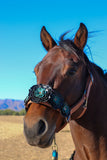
[
  {"x": 98, "y": 95},
  {"x": 97, "y": 102},
  {"x": 90, "y": 131}
]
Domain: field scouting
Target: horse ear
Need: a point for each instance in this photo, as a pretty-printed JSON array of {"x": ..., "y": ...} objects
[
  {"x": 80, "y": 39},
  {"x": 47, "y": 41}
]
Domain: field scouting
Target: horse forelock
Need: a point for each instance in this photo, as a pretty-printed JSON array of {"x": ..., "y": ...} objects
[{"x": 69, "y": 46}]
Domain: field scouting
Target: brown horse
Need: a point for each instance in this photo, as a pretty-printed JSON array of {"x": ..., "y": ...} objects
[{"x": 83, "y": 86}]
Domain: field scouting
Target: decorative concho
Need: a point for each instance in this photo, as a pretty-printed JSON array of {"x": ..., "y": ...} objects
[
  {"x": 56, "y": 100},
  {"x": 65, "y": 110},
  {"x": 40, "y": 93}
]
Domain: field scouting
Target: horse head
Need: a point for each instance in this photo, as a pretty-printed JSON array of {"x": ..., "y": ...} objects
[{"x": 64, "y": 68}]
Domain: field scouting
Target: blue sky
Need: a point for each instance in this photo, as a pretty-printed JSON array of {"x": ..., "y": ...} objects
[{"x": 20, "y": 45}]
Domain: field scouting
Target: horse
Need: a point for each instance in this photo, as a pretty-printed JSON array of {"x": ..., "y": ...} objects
[{"x": 68, "y": 73}]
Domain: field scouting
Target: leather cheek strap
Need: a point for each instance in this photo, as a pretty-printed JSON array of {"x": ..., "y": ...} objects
[{"x": 78, "y": 110}]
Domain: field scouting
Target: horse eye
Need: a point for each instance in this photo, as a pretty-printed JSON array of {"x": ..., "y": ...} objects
[{"x": 71, "y": 72}]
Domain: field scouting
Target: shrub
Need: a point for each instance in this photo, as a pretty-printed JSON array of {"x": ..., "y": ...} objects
[{"x": 11, "y": 112}]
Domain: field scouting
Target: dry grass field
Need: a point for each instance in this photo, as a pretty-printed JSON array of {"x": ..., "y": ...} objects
[{"x": 13, "y": 145}]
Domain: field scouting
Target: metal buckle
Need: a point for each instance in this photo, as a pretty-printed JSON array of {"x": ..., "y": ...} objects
[{"x": 85, "y": 103}]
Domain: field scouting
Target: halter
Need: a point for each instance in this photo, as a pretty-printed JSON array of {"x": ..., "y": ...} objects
[{"x": 44, "y": 93}]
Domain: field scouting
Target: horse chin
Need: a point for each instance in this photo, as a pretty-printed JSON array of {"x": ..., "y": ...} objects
[
  {"x": 42, "y": 142},
  {"x": 46, "y": 144}
]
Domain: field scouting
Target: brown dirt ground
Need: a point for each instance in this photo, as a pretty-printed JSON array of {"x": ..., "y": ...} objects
[{"x": 13, "y": 145}]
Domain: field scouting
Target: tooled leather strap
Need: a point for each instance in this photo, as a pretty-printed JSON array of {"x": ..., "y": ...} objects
[{"x": 81, "y": 106}]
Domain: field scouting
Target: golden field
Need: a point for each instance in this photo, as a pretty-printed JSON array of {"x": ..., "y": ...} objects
[{"x": 13, "y": 145}]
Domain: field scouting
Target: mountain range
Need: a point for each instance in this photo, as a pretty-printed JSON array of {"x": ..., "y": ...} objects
[{"x": 12, "y": 104}]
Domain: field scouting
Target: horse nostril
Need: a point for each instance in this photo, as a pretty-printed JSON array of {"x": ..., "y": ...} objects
[{"x": 41, "y": 127}]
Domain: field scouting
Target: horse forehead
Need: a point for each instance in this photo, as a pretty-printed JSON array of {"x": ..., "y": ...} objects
[{"x": 56, "y": 56}]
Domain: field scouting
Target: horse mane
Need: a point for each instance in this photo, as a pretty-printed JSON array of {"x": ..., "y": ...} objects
[
  {"x": 69, "y": 46},
  {"x": 106, "y": 75},
  {"x": 100, "y": 71}
]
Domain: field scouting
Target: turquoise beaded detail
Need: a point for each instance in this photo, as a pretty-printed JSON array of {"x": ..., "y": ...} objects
[{"x": 40, "y": 92}]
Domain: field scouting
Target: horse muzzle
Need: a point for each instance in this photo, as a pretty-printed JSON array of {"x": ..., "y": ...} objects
[{"x": 39, "y": 134}]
